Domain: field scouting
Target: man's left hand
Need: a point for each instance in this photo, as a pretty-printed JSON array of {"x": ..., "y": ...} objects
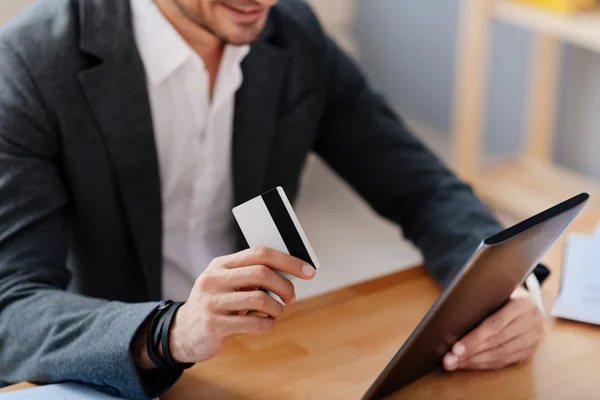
[{"x": 509, "y": 336}]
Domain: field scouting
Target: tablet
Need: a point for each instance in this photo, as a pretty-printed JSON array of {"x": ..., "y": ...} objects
[{"x": 484, "y": 284}]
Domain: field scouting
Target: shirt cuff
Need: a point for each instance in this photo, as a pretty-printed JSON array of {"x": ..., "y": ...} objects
[{"x": 533, "y": 286}]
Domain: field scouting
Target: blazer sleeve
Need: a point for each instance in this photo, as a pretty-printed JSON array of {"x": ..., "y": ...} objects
[
  {"x": 47, "y": 334},
  {"x": 367, "y": 144}
]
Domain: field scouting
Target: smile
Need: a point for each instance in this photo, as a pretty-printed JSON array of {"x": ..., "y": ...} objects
[{"x": 244, "y": 16}]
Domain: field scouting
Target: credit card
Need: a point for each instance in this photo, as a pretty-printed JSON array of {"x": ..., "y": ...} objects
[{"x": 270, "y": 221}]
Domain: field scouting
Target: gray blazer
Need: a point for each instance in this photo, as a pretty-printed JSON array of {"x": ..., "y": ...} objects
[{"x": 80, "y": 197}]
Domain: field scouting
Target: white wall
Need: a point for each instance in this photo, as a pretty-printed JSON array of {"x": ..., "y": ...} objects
[{"x": 351, "y": 242}]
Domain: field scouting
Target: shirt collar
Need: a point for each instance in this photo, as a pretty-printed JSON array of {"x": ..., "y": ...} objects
[{"x": 162, "y": 48}]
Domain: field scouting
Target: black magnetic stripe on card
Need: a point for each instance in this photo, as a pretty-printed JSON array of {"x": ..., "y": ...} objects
[{"x": 285, "y": 226}]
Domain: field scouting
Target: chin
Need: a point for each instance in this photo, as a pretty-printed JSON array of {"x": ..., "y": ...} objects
[
  {"x": 241, "y": 41},
  {"x": 243, "y": 34}
]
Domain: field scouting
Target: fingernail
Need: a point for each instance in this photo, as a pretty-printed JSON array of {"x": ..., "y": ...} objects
[
  {"x": 451, "y": 362},
  {"x": 293, "y": 299},
  {"x": 459, "y": 349},
  {"x": 308, "y": 270}
]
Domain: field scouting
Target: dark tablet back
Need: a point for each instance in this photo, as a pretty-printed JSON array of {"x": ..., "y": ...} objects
[{"x": 484, "y": 285}]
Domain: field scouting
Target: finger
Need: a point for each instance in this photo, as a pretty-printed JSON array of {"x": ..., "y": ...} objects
[
  {"x": 514, "y": 329},
  {"x": 530, "y": 322},
  {"x": 248, "y": 324},
  {"x": 271, "y": 258},
  {"x": 261, "y": 276},
  {"x": 500, "y": 356},
  {"x": 244, "y": 301},
  {"x": 521, "y": 356},
  {"x": 517, "y": 357},
  {"x": 247, "y": 289},
  {"x": 488, "y": 328}
]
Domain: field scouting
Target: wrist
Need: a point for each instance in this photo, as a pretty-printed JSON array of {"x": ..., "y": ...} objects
[
  {"x": 160, "y": 341},
  {"x": 141, "y": 341},
  {"x": 176, "y": 337}
]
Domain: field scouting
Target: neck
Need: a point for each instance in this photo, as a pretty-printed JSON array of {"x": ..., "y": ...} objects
[{"x": 205, "y": 44}]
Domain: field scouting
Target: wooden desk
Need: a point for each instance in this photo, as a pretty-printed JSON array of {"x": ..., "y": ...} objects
[{"x": 333, "y": 346}]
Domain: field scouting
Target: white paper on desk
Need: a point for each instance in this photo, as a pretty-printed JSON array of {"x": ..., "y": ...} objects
[
  {"x": 579, "y": 297},
  {"x": 66, "y": 391}
]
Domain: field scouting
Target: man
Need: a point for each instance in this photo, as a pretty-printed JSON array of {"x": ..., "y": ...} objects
[{"x": 128, "y": 131}]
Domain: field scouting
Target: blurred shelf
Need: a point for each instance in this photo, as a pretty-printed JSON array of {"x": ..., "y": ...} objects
[
  {"x": 580, "y": 29},
  {"x": 523, "y": 187}
]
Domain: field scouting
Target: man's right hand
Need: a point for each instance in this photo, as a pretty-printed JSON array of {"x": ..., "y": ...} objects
[{"x": 224, "y": 291}]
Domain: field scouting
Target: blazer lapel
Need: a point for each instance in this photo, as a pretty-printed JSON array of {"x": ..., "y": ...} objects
[
  {"x": 117, "y": 92},
  {"x": 256, "y": 111}
]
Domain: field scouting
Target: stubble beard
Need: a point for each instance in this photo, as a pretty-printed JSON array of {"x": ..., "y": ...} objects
[{"x": 193, "y": 17}]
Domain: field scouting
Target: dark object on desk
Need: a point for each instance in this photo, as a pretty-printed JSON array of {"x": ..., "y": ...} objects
[{"x": 484, "y": 285}]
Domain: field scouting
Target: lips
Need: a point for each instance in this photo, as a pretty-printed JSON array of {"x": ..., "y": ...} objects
[{"x": 244, "y": 15}]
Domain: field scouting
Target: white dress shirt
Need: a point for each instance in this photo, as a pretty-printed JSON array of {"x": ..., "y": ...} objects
[{"x": 193, "y": 137}]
